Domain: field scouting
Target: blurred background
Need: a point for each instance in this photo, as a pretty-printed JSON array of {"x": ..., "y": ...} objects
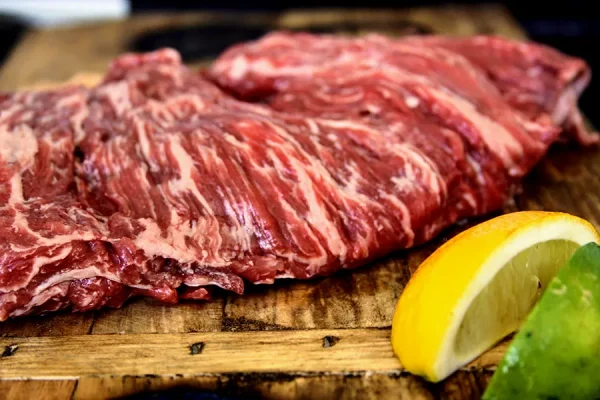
[{"x": 572, "y": 26}]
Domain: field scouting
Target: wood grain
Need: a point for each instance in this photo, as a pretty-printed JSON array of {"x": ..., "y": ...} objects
[
  {"x": 567, "y": 180},
  {"x": 351, "y": 299},
  {"x": 40, "y": 390},
  {"x": 169, "y": 354},
  {"x": 150, "y": 316},
  {"x": 266, "y": 343},
  {"x": 266, "y": 387},
  {"x": 257, "y": 386},
  {"x": 72, "y": 357},
  {"x": 91, "y": 388},
  {"x": 59, "y": 324}
]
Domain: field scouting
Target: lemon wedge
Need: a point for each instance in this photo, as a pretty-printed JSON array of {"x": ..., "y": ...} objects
[{"x": 479, "y": 287}]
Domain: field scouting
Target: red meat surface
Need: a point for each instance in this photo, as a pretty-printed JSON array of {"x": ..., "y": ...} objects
[{"x": 293, "y": 156}]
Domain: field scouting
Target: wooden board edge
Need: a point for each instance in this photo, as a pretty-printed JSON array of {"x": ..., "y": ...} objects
[
  {"x": 338, "y": 351},
  {"x": 464, "y": 384}
]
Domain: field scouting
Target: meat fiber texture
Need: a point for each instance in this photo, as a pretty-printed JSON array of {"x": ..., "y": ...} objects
[{"x": 291, "y": 157}]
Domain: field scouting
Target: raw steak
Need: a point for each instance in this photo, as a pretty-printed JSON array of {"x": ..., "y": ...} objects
[{"x": 158, "y": 183}]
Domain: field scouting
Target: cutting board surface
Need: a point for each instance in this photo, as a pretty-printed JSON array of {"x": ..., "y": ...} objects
[{"x": 319, "y": 339}]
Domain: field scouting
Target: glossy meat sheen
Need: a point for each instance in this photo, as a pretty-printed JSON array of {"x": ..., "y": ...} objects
[
  {"x": 157, "y": 183},
  {"x": 524, "y": 88}
]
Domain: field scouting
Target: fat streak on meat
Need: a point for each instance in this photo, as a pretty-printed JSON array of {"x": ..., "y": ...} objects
[{"x": 291, "y": 157}]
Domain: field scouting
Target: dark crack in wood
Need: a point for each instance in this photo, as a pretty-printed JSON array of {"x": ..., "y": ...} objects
[
  {"x": 9, "y": 350},
  {"x": 197, "y": 348},
  {"x": 330, "y": 341}
]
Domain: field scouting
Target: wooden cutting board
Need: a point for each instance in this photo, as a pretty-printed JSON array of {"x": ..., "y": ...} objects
[{"x": 321, "y": 339}]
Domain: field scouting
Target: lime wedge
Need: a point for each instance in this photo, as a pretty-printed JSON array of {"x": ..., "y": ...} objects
[{"x": 556, "y": 353}]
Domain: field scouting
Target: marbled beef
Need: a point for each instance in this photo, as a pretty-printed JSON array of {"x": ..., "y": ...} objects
[{"x": 293, "y": 156}]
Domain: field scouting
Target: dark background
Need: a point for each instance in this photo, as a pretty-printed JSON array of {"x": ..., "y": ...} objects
[{"x": 571, "y": 26}]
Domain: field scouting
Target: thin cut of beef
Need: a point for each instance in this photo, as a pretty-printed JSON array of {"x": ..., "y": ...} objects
[{"x": 293, "y": 156}]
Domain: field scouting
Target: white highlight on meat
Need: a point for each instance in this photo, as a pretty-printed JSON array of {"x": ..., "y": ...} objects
[
  {"x": 470, "y": 199},
  {"x": 238, "y": 67},
  {"x": 403, "y": 183},
  {"x": 373, "y": 109},
  {"x": 18, "y": 146},
  {"x": 412, "y": 101}
]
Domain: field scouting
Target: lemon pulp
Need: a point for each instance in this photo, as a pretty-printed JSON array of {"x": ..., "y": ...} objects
[{"x": 502, "y": 306}]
